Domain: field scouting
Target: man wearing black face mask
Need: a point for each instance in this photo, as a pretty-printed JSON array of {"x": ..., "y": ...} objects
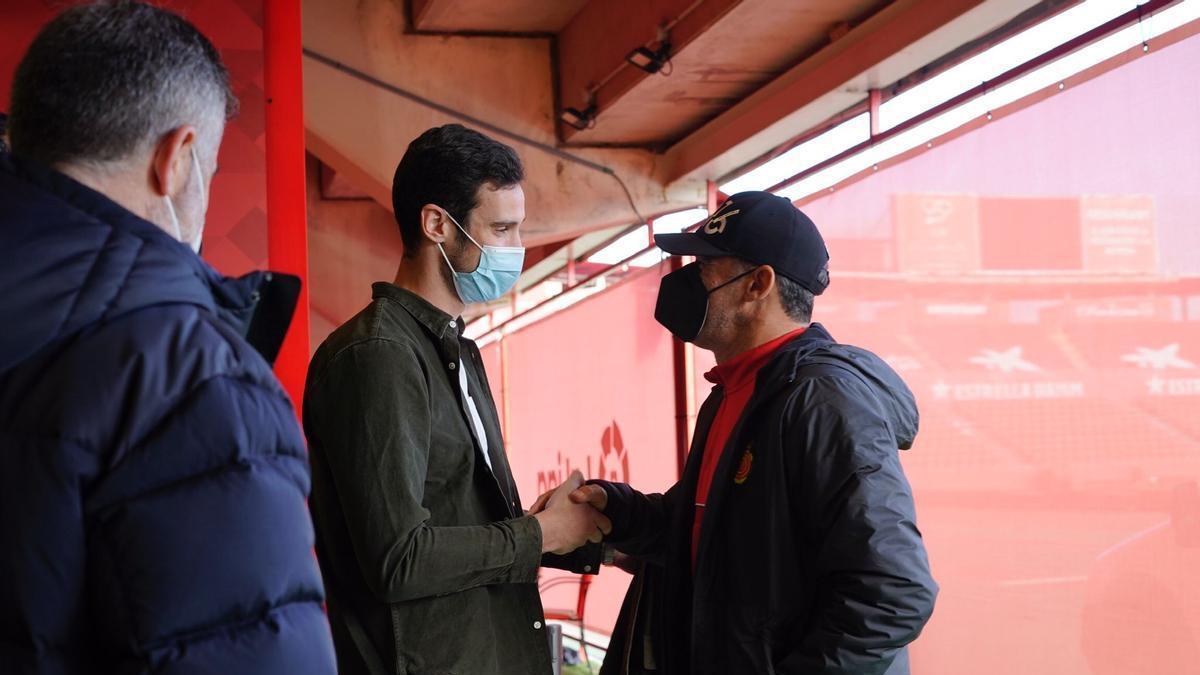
[{"x": 790, "y": 545}]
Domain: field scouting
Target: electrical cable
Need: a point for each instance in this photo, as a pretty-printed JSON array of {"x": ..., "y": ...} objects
[{"x": 473, "y": 121}]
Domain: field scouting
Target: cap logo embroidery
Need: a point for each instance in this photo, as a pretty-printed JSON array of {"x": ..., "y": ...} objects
[{"x": 716, "y": 224}]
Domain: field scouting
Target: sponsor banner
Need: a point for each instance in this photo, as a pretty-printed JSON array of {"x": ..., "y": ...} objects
[
  {"x": 1165, "y": 358},
  {"x": 1173, "y": 386},
  {"x": 1156, "y": 370},
  {"x": 1119, "y": 234},
  {"x": 937, "y": 233}
]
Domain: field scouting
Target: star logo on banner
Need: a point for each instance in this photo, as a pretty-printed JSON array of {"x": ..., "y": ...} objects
[
  {"x": 1159, "y": 359},
  {"x": 1010, "y": 360}
]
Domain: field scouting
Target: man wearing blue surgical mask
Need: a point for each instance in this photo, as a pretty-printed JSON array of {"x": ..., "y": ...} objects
[
  {"x": 429, "y": 560},
  {"x": 153, "y": 475}
]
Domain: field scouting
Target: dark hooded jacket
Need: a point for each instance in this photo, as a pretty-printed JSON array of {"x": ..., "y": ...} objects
[
  {"x": 152, "y": 470},
  {"x": 809, "y": 559}
]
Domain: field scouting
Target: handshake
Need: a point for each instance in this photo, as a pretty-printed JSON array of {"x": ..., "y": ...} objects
[{"x": 571, "y": 515}]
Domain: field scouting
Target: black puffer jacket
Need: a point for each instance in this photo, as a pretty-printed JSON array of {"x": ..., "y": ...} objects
[
  {"x": 152, "y": 473},
  {"x": 809, "y": 560}
]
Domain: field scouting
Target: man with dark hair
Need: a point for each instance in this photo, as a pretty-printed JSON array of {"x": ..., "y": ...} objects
[
  {"x": 430, "y": 562},
  {"x": 152, "y": 473},
  {"x": 790, "y": 544}
]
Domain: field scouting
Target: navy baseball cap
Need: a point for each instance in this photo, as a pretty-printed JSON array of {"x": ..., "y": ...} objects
[{"x": 763, "y": 229}]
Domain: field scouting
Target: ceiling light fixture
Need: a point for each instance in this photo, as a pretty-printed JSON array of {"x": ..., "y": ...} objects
[
  {"x": 579, "y": 119},
  {"x": 648, "y": 60}
]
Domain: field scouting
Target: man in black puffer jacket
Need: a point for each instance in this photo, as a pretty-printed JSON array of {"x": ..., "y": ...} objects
[
  {"x": 790, "y": 545},
  {"x": 152, "y": 472}
]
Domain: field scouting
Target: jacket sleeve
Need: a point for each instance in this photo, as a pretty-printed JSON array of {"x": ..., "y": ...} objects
[
  {"x": 583, "y": 560},
  {"x": 874, "y": 591},
  {"x": 371, "y": 412},
  {"x": 639, "y": 521}
]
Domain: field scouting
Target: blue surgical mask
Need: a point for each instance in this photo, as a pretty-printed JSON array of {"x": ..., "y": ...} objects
[{"x": 499, "y": 267}]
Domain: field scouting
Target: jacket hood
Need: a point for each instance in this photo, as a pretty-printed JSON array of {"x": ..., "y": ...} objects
[
  {"x": 816, "y": 346},
  {"x": 70, "y": 258}
]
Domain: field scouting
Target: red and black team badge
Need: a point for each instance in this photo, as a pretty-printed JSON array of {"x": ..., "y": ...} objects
[{"x": 743, "y": 471}]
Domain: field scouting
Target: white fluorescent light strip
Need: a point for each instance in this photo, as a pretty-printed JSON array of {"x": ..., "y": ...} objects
[
  {"x": 639, "y": 239},
  {"x": 1080, "y": 60},
  {"x": 944, "y": 86},
  {"x": 551, "y": 306},
  {"x": 612, "y": 254},
  {"x": 813, "y": 151},
  {"x": 625, "y": 246},
  {"x": 679, "y": 220},
  {"x": 982, "y": 67}
]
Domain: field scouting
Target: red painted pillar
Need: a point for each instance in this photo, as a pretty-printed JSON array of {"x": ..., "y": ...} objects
[
  {"x": 287, "y": 224},
  {"x": 681, "y": 365}
]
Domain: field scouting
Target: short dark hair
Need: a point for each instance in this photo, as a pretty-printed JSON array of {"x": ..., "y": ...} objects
[
  {"x": 446, "y": 166},
  {"x": 796, "y": 300},
  {"x": 104, "y": 79}
]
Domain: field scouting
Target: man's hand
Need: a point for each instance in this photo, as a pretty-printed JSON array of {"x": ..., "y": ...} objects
[
  {"x": 590, "y": 494},
  {"x": 567, "y": 524},
  {"x": 540, "y": 505},
  {"x": 574, "y": 481}
]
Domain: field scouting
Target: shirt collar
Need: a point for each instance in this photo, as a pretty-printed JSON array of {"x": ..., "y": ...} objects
[
  {"x": 742, "y": 370},
  {"x": 441, "y": 324}
]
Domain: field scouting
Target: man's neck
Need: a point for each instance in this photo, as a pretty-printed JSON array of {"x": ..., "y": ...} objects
[
  {"x": 111, "y": 184},
  {"x": 754, "y": 336},
  {"x": 420, "y": 275}
]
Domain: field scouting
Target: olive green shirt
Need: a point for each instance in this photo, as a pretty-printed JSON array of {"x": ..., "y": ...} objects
[{"x": 418, "y": 540}]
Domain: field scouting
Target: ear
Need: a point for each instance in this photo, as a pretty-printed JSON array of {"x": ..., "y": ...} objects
[
  {"x": 435, "y": 224},
  {"x": 762, "y": 281},
  {"x": 171, "y": 165}
]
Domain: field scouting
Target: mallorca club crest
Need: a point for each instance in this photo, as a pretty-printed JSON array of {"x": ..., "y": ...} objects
[{"x": 743, "y": 471}]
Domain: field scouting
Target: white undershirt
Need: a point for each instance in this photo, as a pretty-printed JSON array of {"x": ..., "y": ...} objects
[{"x": 476, "y": 422}]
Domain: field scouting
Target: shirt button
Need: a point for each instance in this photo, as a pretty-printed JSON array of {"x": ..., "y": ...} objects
[
  {"x": 452, "y": 365},
  {"x": 537, "y": 625},
  {"x": 587, "y": 568}
]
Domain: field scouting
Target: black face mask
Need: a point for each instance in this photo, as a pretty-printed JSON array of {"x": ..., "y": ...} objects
[{"x": 683, "y": 301}]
